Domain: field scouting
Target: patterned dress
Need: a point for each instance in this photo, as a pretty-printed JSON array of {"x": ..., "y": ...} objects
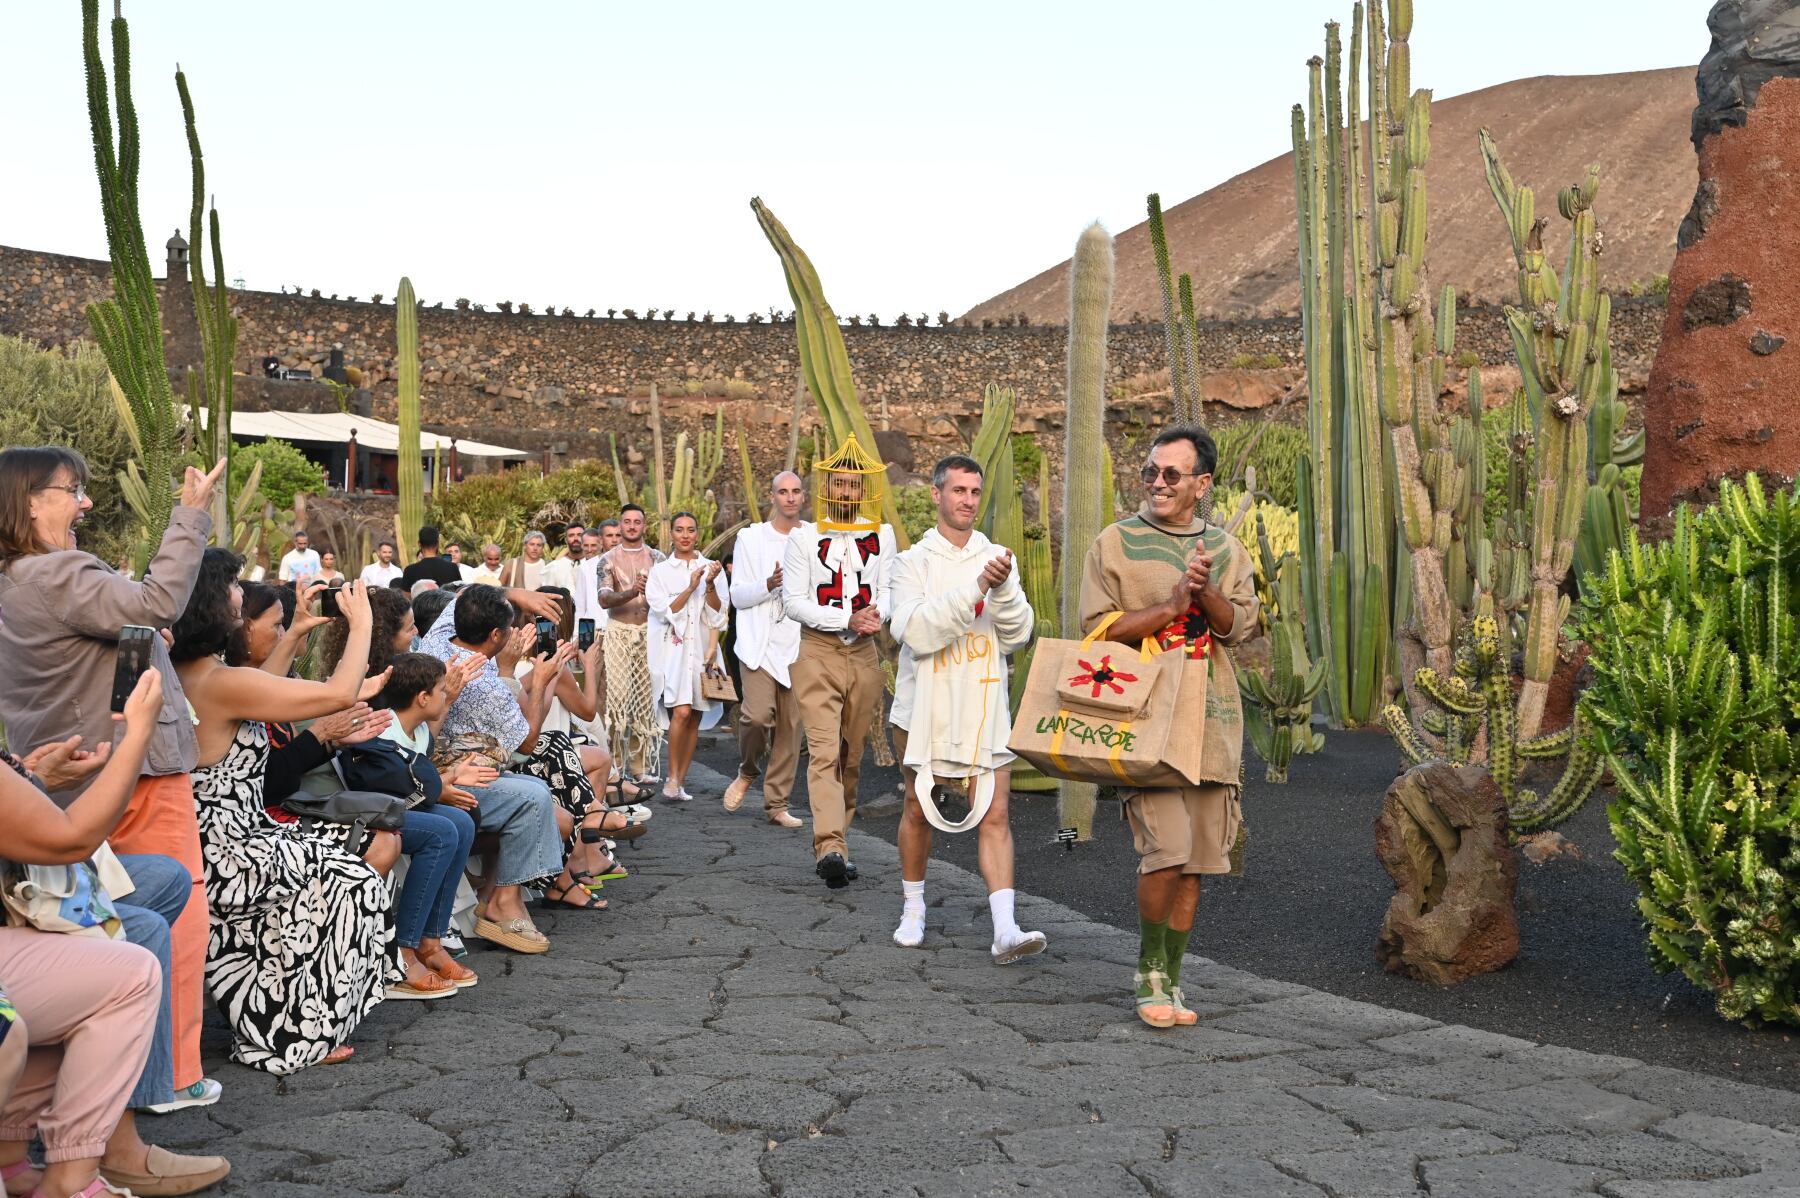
[{"x": 301, "y": 945}]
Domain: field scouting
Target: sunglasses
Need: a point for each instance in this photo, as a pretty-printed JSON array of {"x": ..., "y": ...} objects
[{"x": 1171, "y": 477}]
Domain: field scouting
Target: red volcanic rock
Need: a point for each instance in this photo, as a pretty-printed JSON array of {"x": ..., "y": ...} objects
[{"x": 1724, "y": 391}]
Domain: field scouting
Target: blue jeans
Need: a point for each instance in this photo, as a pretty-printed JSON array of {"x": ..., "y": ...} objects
[
  {"x": 161, "y": 886},
  {"x": 436, "y": 837},
  {"x": 523, "y": 811}
]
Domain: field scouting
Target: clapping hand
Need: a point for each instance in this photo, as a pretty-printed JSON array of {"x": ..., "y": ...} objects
[
  {"x": 461, "y": 672},
  {"x": 470, "y": 771},
  {"x": 775, "y": 578},
  {"x": 455, "y": 796},
  {"x": 996, "y": 571},
  {"x": 516, "y": 647},
  {"x": 352, "y": 726},
  {"x": 372, "y": 685},
  {"x": 712, "y": 570},
  {"x": 64, "y": 763},
  {"x": 1199, "y": 571},
  {"x": 865, "y": 621}
]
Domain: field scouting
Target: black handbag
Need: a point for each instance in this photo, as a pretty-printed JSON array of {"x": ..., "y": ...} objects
[
  {"x": 387, "y": 768},
  {"x": 353, "y": 808}
]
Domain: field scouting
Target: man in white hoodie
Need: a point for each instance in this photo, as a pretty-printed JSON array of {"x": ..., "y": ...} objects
[{"x": 958, "y": 611}]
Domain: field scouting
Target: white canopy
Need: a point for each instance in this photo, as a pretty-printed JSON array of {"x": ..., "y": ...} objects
[{"x": 335, "y": 428}]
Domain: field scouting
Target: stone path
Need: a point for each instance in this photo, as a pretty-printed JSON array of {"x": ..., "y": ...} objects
[{"x": 736, "y": 1030}]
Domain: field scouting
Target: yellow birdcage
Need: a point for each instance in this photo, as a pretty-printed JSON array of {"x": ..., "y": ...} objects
[{"x": 848, "y": 489}]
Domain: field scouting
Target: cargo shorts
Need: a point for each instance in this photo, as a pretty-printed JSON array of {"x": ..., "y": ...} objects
[{"x": 1191, "y": 827}]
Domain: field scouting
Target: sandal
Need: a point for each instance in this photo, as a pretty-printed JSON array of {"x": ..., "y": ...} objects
[
  {"x": 520, "y": 935},
  {"x": 338, "y": 1055},
  {"x": 1153, "y": 1005},
  {"x": 18, "y": 1168},
  {"x": 432, "y": 985},
  {"x": 557, "y": 894},
  {"x": 448, "y": 968},
  {"x": 96, "y": 1188}
]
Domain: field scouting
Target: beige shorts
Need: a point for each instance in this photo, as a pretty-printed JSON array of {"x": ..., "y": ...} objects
[{"x": 1192, "y": 827}]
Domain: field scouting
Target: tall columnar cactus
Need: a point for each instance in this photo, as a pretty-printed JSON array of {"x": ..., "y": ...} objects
[
  {"x": 992, "y": 445},
  {"x": 1090, "y": 298},
  {"x": 824, "y": 362},
  {"x": 752, "y": 510},
  {"x": 128, "y": 327},
  {"x": 1696, "y": 660},
  {"x": 218, "y": 327},
  {"x": 1560, "y": 337},
  {"x": 412, "y": 468},
  {"x": 1180, "y": 337}
]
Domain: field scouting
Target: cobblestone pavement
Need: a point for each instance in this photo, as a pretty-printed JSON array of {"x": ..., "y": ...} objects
[{"x": 735, "y": 1029}]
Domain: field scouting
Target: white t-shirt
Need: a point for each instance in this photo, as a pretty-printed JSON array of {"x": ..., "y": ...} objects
[
  {"x": 377, "y": 575},
  {"x": 297, "y": 565}
]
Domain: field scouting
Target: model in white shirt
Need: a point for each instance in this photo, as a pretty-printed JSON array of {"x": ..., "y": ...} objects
[
  {"x": 299, "y": 563},
  {"x": 958, "y": 611},
  {"x": 767, "y": 643},
  {"x": 688, "y": 610},
  {"x": 382, "y": 571}
]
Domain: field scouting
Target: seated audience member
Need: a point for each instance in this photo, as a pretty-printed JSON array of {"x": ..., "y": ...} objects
[
  {"x": 519, "y": 807},
  {"x": 59, "y": 647},
  {"x": 420, "y": 587},
  {"x": 79, "y": 1015},
  {"x": 391, "y": 631},
  {"x": 570, "y": 770},
  {"x": 440, "y": 830},
  {"x": 428, "y": 565},
  {"x": 426, "y": 609},
  {"x": 300, "y": 939},
  {"x": 262, "y": 642},
  {"x": 382, "y": 571}
]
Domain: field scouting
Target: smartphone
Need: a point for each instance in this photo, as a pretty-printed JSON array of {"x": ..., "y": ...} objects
[
  {"x": 328, "y": 604},
  {"x": 546, "y": 637},
  {"x": 584, "y": 634},
  {"x": 134, "y": 659}
]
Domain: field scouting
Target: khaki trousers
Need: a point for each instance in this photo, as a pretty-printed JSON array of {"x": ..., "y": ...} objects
[
  {"x": 768, "y": 721},
  {"x": 836, "y": 687}
]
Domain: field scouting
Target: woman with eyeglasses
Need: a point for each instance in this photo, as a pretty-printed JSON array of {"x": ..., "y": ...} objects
[{"x": 61, "y": 610}]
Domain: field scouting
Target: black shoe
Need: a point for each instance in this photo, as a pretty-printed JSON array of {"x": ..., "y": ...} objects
[
  {"x": 849, "y": 871},
  {"x": 833, "y": 869}
]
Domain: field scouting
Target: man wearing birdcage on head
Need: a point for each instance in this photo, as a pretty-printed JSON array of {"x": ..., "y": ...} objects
[{"x": 835, "y": 584}]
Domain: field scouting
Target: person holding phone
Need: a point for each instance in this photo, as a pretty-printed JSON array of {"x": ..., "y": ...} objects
[
  {"x": 85, "y": 1008},
  {"x": 59, "y": 644}
]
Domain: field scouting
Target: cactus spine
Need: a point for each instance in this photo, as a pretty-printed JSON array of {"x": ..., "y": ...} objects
[
  {"x": 412, "y": 469},
  {"x": 128, "y": 327},
  {"x": 824, "y": 362},
  {"x": 1090, "y": 299},
  {"x": 218, "y": 327}
]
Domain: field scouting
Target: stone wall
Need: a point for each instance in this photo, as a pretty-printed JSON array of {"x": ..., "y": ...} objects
[{"x": 565, "y": 383}]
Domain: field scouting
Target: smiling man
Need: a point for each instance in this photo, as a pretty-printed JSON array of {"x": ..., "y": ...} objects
[
  {"x": 958, "y": 611},
  {"x": 1188, "y": 583}
]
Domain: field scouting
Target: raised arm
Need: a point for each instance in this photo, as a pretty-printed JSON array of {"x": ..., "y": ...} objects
[
  {"x": 97, "y": 602},
  {"x": 249, "y": 694},
  {"x": 924, "y": 622},
  {"x": 38, "y": 832}
]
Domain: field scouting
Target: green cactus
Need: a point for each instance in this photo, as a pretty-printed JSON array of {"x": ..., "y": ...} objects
[
  {"x": 1090, "y": 299},
  {"x": 752, "y": 509},
  {"x": 1278, "y": 715},
  {"x": 1560, "y": 338},
  {"x": 992, "y": 445},
  {"x": 1183, "y": 384},
  {"x": 1695, "y": 660},
  {"x": 1477, "y": 696},
  {"x": 824, "y": 362},
  {"x": 412, "y": 468},
  {"x": 218, "y": 327},
  {"x": 128, "y": 327}
]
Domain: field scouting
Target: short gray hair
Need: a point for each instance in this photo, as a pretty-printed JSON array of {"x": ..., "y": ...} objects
[{"x": 534, "y": 534}]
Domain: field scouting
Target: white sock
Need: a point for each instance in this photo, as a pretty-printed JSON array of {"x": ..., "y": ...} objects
[
  {"x": 1000, "y": 905},
  {"x": 911, "y": 932}
]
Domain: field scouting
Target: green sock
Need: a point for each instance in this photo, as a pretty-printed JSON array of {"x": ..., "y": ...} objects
[
  {"x": 1152, "y": 935},
  {"x": 1174, "y": 946}
]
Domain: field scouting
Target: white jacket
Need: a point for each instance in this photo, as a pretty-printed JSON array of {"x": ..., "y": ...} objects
[
  {"x": 827, "y": 575},
  {"x": 766, "y": 638},
  {"x": 950, "y": 693}
]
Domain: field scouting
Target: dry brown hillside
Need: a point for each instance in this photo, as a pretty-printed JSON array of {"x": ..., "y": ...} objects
[{"x": 1237, "y": 240}]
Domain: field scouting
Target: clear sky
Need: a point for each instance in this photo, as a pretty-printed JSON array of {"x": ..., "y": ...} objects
[{"x": 927, "y": 154}]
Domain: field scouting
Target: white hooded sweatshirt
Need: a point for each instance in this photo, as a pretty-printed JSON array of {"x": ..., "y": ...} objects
[{"x": 950, "y": 693}]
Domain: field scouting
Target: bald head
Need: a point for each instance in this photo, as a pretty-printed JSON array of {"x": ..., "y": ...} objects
[{"x": 787, "y": 494}]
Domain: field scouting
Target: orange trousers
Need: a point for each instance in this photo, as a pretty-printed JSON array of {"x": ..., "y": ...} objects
[{"x": 160, "y": 818}]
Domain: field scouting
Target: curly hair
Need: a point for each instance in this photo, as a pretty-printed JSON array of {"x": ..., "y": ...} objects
[
  {"x": 388, "y": 609},
  {"x": 206, "y": 627}
]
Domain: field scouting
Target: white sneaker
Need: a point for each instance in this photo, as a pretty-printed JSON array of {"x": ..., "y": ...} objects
[
  {"x": 204, "y": 1092},
  {"x": 911, "y": 932},
  {"x": 1017, "y": 945}
]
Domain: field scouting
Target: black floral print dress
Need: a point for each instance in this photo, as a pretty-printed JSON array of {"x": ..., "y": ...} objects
[{"x": 300, "y": 948}]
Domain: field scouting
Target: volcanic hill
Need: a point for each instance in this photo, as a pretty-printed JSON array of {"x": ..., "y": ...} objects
[{"x": 1237, "y": 240}]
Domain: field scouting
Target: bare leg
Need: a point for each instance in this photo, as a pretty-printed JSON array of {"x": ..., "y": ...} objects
[
  {"x": 915, "y": 834},
  {"x": 684, "y": 736},
  {"x": 994, "y": 848},
  {"x": 383, "y": 851}
]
